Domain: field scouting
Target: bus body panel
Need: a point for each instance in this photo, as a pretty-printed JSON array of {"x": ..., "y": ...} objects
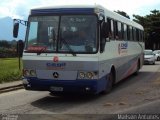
[
  {"x": 68, "y": 75},
  {"x": 60, "y": 72},
  {"x": 123, "y": 59}
]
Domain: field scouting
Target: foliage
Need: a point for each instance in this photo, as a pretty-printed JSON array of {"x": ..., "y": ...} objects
[
  {"x": 8, "y": 44},
  {"x": 151, "y": 24},
  {"x": 4, "y": 44},
  {"x": 8, "y": 48},
  {"x": 7, "y": 53},
  {"x": 123, "y": 14},
  {"x": 9, "y": 70}
]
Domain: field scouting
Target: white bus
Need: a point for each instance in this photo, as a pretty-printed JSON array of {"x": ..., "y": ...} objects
[{"x": 80, "y": 49}]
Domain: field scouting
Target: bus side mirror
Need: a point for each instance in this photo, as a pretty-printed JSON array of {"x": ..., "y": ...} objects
[
  {"x": 15, "y": 30},
  {"x": 20, "y": 47}
]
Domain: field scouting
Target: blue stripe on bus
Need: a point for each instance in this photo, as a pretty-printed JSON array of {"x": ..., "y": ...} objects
[
  {"x": 62, "y": 11},
  {"x": 95, "y": 86}
]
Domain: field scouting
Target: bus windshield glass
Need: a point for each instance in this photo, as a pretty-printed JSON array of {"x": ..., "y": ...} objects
[{"x": 62, "y": 34}]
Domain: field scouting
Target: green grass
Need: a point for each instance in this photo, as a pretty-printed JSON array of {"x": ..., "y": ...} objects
[{"x": 9, "y": 70}]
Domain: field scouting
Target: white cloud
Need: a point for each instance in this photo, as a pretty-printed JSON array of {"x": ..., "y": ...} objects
[{"x": 20, "y": 8}]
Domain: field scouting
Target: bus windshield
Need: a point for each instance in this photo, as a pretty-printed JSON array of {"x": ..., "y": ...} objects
[{"x": 62, "y": 34}]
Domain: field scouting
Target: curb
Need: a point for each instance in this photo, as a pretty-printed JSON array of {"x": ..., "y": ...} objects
[{"x": 11, "y": 88}]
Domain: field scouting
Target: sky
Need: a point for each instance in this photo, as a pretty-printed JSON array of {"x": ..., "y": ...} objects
[{"x": 20, "y": 8}]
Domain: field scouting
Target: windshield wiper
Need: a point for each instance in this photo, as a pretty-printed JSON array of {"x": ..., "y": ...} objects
[
  {"x": 40, "y": 51},
  {"x": 69, "y": 48}
]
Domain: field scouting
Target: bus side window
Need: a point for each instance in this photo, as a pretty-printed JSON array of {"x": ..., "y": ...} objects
[
  {"x": 141, "y": 35},
  {"x": 137, "y": 34},
  {"x": 133, "y": 38},
  {"x": 119, "y": 31},
  {"x": 128, "y": 33},
  {"x": 112, "y": 29},
  {"x": 125, "y": 32},
  {"x": 110, "y": 25},
  {"x": 134, "y": 34},
  {"x": 122, "y": 30},
  {"x": 116, "y": 37},
  {"x": 131, "y": 34}
]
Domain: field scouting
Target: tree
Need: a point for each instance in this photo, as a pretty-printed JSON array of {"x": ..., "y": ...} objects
[
  {"x": 4, "y": 44},
  {"x": 155, "y": 12},
  {"x": 13, "y": 43},
  {"x": 151, "y": 24},
  {"x": 123, "y": 13}
]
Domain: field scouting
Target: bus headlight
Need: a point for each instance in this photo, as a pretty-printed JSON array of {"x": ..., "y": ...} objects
[
  {"x": 82, "y": 75},
  {"x": 90, "y": 75},
  {"x": 26, "y": 72},
  {"x": 30, "y": 73},
  {"x": 87, "y": 75}
]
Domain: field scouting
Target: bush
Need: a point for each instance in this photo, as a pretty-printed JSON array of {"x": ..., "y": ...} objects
[{"x": 8, "y": 53}]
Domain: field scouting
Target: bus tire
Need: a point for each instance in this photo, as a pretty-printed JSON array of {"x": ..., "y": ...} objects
[
  {"x": 109, "y": 85},
  {"x": 138, "y": 67}
]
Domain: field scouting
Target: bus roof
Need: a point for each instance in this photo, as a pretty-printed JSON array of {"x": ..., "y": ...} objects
[{"x": 84, "y": 9}]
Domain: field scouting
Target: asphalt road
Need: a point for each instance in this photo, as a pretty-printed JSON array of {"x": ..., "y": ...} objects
[{"x": 136, "y": 94}]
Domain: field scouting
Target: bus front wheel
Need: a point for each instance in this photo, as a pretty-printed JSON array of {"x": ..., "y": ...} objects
[{"x": 109, "y": 84}]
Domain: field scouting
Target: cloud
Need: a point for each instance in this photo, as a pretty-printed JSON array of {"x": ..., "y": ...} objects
[{"x": 20, "y": 8}]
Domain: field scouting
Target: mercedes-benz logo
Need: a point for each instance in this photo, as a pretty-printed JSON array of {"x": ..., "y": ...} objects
[{"x": 55, "y": 75}]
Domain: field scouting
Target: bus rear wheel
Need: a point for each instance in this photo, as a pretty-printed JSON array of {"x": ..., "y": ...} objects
[{"x": 109, "y": 84}]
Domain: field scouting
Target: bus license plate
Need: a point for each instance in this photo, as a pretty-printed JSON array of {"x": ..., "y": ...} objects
[{"x": 56, "y": 88}]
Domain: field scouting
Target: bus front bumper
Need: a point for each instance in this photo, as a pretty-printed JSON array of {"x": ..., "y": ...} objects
[{"x": 65, "y": 86}]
